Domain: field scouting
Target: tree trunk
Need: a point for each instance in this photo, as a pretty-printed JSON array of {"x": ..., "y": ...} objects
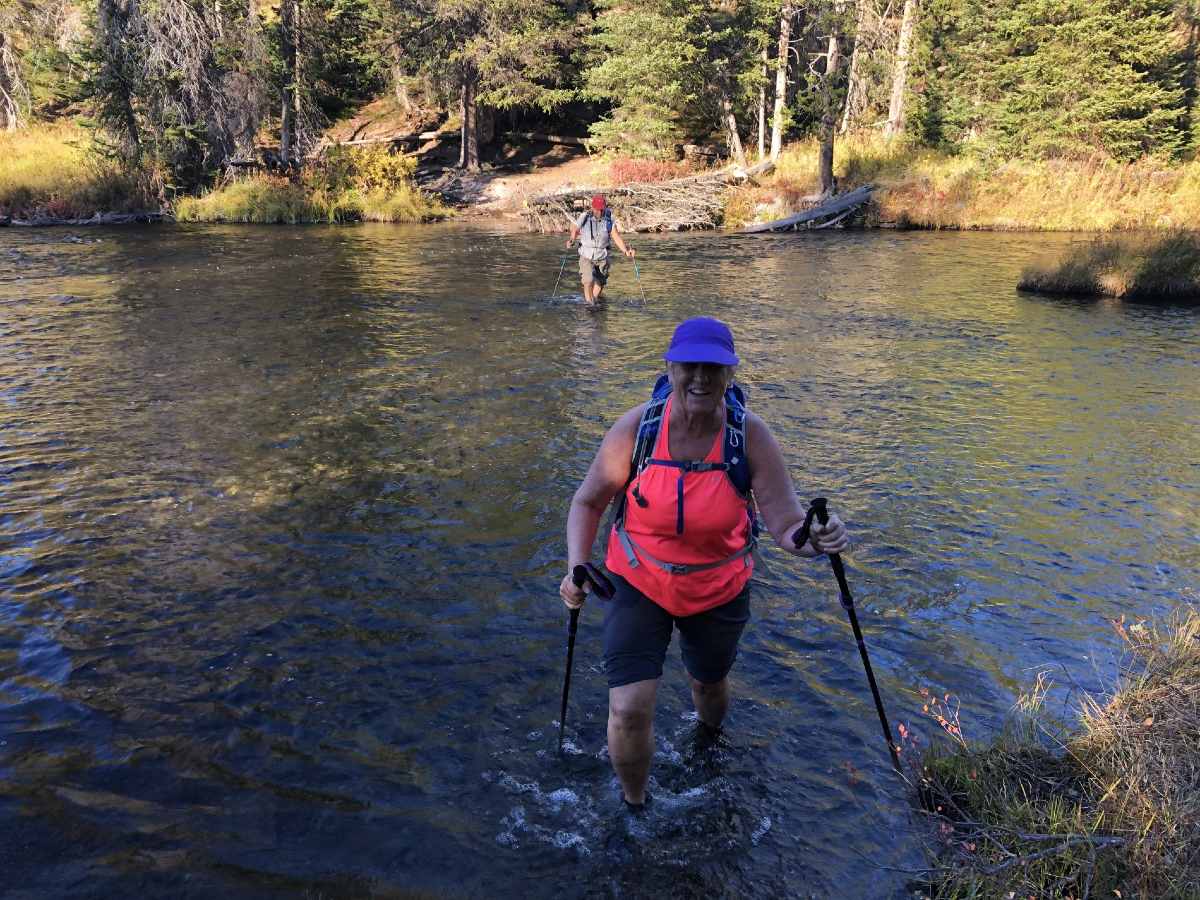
[
  {"x": 762, "y": 106},
  {"x": 731, "y": 126},
  {"x": 399, "y": 85},
  {"x": 289, "y": 130},
  {"x": 468, "y": 154},
  {"x": 829, "y": 106},
  {"x": 781, "y": 72},
  {"x": 10, "y": 87},
  {"x": 855, "y": 90},
  {"x": 895, "y": 122},
  {"x": 485, "y": 124},
  {"x": 113, "y": 18}
]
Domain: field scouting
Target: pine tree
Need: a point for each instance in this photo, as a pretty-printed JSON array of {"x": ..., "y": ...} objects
[{"x": 1047, "y": 78}]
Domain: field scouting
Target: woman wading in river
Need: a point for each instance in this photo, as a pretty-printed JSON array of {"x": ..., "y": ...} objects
[{"x": 691, "y": 466}]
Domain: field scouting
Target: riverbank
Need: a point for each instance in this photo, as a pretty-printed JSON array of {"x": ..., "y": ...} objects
[
  {"x": 54, "y": 174},
  {"x": 1109, "y": 807},
  {"x": 1142, "y": 268},
  {"x": 923, "y": 188}
]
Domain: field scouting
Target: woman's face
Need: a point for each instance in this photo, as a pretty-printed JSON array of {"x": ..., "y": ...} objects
[{"x": 699, "y": 386}]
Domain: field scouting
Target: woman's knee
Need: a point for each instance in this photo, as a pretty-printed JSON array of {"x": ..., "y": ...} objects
[{"x": 631, "y": 710}]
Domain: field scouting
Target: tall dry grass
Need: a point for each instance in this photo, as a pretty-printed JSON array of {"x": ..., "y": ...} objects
[
  {"x": 924, "y": 188},
  {"x": 55, "y": 171},
  {"x": 347, "y": 185},
  {"x": 1108, "y": 808}
]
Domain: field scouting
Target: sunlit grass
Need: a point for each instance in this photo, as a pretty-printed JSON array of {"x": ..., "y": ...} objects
[
  {"x": 924, "y": 188},
  {"x": 54, "y": 171},
  {"x": 1109, "y": 808},
  {"x": 269, "y": 200}
]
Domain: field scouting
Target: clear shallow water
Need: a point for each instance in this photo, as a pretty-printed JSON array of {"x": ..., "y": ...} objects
[{"x": 281, "y": 529}]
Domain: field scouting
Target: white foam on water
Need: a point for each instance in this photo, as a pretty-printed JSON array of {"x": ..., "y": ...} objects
[
  {"x": 764, "y": 825},
  {"x": 568, "y": 840},
  {"x": 534, "y": 735},
  {"x": 562, "y": 797}
]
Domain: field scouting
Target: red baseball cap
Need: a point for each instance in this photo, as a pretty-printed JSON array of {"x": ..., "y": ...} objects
[{"x": 598, "y": 202}]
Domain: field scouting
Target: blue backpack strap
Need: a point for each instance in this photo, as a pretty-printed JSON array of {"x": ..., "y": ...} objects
[
  {"x": 735, "y": 438},
  {"x": 647, "y": 436}
]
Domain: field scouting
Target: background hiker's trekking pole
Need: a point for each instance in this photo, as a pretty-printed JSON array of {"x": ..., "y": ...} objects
[
  {"x": 638, "y": 275},
  {"x": 604, "y": 589},
  {"x": 799, "y": 538},
  {"x": 560, "y": 273}
]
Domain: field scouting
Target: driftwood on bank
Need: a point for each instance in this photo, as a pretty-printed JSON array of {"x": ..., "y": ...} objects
[
  {"x": 824, "y": 215},
  {"x": 677, "y": 205},
  {"x": 97, "y": 219}
]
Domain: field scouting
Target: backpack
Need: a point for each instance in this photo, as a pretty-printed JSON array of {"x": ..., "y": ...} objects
[
  {"x": 590, "y": 223},
  {"x": 735, "y": 463}
]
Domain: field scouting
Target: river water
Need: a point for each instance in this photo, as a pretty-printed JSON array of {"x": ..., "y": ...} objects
[{"x": 281, "y": 516}]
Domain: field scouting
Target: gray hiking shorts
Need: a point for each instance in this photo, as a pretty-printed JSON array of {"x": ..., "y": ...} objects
[
  {"x": 637, "y": 632},
  {"x": 594, "y": 270}
]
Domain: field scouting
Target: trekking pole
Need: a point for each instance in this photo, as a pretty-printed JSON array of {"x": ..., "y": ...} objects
[
  {"x": 604, "y": 589},
  {"x": 561, "y": 269},
  {"x": 638, "y": 275},
  {"x": 799, "y": 538}
]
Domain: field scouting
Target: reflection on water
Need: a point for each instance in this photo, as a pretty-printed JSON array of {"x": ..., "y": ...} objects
[{"x": 281, "y": 526}]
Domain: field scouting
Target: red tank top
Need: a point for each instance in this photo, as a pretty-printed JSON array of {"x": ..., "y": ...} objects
[{"x": 716, "y": 526}]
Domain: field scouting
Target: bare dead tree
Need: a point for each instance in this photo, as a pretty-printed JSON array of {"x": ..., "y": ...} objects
[
  {"x": 830, "y": 94},
  {"x": 786, "y": 13},
  {"x": 729, "y": 120},
  {"x": 762, "y": 104},
  {"x": 908, "y": 23},
  {"x": 855, "y": 89},
  {"x": 14, "y": 96}
]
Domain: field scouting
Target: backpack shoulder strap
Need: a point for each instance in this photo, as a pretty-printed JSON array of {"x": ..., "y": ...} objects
[
  {"x": 650, "y": 424},
  {"x": 647, "y": 436},
  {"x": 735, "y": 438}
]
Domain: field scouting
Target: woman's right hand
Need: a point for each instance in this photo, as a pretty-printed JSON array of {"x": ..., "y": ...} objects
[{"x": 572, "y": 595}]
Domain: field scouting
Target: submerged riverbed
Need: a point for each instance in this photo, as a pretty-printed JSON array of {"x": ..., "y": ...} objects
[{"x": 281, "y": 520}]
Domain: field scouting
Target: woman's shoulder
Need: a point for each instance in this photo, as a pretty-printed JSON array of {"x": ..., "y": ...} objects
[{"x": 759, "y": 438}]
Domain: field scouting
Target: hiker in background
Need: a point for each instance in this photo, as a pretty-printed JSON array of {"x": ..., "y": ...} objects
[
  {"x": 594, "y": 230},
  {"x": 687, "y": 470}
]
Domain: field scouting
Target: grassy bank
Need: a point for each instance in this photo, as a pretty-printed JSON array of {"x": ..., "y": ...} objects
[
  {"x": 924, "y": 188},
  {"x": 269, "y": 200},
  {"x": 1107, "y": 808},
  {"x": 53, "y": 171},
  {"x": 1139, "y": 268},
  {"x": 346, "y": 185}
]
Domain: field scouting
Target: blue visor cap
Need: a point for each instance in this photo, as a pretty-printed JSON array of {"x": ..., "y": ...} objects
[{"x": 702, "y": 340}]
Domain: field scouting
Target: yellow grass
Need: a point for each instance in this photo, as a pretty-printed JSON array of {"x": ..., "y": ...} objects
[
  {"x": 925, "y": 188},
  {"x": 270, "y": 200},
  {"x": 55, "y": 171}
]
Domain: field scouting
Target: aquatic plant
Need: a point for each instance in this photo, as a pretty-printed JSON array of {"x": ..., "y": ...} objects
[{"x": 1108, "y": 808}]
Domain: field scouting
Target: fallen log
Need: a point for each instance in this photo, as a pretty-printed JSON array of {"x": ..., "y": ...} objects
[
  {"x": 549, "y": 138},
  {"x": 97, "y": 219},
  {"x": 823, "y": 215}
]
